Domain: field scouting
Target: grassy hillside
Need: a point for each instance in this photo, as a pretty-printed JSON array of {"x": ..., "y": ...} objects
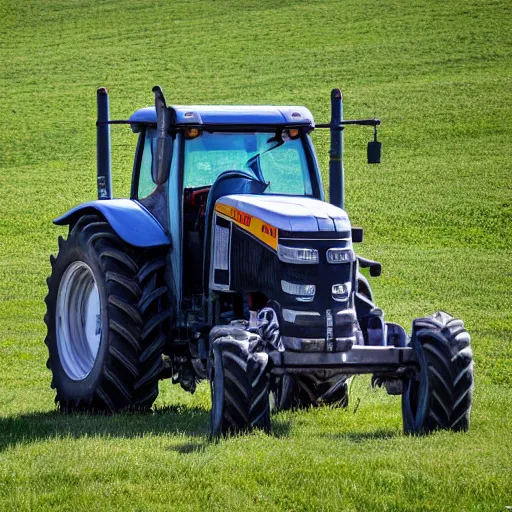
[{"x": 437, "y": 213}]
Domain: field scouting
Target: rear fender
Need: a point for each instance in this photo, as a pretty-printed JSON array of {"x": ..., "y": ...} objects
[{"x": 128, "y": 218}]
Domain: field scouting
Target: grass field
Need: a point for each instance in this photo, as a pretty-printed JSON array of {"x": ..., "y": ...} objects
[{"x": 437, "y": 213}]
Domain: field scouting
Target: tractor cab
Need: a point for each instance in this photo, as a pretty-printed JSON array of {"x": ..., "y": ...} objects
[{"x": 216, "y": 151}]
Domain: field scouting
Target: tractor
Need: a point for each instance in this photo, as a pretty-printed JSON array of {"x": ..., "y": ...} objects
[{"x": 226, "y": 263}]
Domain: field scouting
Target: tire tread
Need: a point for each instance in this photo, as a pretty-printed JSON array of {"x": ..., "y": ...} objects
[
  {"x": 445, "y": 345},
  {"x": 136, "y": 335}
]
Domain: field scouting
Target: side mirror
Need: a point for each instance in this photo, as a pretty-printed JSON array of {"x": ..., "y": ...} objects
[
  {"x": 357, "y": 235},
  {"x": 162, "y": 153},
  {"x": 374, "y": 149}
]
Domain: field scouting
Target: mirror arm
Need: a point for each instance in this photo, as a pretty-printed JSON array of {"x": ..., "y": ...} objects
[
  {"x": 346, "y": 122},
  {"x": 374, "y": 150}
]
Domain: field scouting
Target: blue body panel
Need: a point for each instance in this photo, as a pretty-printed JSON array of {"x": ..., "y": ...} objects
[
  {"x": 231, "y": 114},
  {"x": 128, "y": 218}
]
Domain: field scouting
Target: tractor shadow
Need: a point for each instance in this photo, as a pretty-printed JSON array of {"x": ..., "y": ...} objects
[
  {"x": 280, "y": 428},
  {"x": 41, "y": 426},
  {"x": 178, "y": 420}
]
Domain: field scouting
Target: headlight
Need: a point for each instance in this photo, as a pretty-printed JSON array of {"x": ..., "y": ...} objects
[
  {"x": 340, "y": 292},
  {"x": 302, "y": 292},
  {"x": 337, "y": 255},
  {"x": 297, "y": 254}
]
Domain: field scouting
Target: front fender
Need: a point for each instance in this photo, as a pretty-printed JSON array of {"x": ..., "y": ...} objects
[
  {"x": 128, "y": 218},
  {"x": 364, "y": 286}
]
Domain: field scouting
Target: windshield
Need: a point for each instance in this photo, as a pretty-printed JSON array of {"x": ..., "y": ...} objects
[{"x": 280, "y": 162}]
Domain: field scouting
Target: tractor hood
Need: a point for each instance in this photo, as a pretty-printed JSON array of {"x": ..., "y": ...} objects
[{"x": 286, "y": 213}]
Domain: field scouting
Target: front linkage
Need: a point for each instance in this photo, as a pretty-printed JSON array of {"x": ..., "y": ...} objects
[{"x": 251, "y": 373}]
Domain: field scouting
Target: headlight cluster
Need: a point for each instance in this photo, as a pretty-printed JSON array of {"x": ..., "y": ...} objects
[
  {"x": 302, "y": 292},
  {"x": 336, "y": 255},
  {"x": 341, "y": 292},
  {"x": 305, "y": 256},
  {"x": 306, "y": 292},
  {"x": 297, "y": 255}
]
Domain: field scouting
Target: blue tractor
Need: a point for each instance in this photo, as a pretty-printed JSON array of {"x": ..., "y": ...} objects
[{"x": 227, "y": 264}]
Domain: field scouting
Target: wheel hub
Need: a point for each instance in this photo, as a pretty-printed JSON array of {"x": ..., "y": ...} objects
[{"x": 78, "y": 320}]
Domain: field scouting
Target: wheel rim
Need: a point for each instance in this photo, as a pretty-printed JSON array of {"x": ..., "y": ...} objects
[
  {"x": 415, "y": 399},
  {"x": 217, "y": 391},
  {"x": 78, "y": 320}
]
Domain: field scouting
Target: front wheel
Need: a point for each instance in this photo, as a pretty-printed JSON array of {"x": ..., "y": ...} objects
[
  {"x": 239, "y": 384},
  {"x": 442, "y": 395}
]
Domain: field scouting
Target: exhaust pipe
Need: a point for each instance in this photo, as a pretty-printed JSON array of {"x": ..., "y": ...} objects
[
  {"x": 104, "y": 178},
  {"x": 336, "y": 177}
]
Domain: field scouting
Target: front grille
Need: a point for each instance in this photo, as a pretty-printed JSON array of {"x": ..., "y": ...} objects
[{"x": 317, "y": 344}]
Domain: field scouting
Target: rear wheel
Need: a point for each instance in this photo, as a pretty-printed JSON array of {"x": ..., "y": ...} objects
[
  {"x": 442, "y": 396},
  {"x": 153, "y": 306},
  {"x": 103, "y": 319}
]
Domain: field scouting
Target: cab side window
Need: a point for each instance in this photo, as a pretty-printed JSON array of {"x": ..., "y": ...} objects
[{"x": 146, "y": 183}]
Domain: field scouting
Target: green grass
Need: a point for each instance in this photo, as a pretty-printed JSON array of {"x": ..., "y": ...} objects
[{"x": 437, "y": 213}]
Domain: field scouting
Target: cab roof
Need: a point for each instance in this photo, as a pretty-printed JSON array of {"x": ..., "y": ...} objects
[{"x": 229, "y": 115}]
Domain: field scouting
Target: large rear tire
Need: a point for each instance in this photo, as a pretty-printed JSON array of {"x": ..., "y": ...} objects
[
  {"x": 155, "y": 312},
  {"x": 104, "y": 321},
  {"x": 239, "y": 384},
  {"x": 442, "y": 396}
]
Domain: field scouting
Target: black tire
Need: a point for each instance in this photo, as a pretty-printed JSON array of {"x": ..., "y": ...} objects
[
  {"x": 363, "y": 287},
  {"x": 239, "y": 384},
  {"x": 155, "y": 312},
  {"x": 322, "y": 387},
  {"x": 442, "y": 396},
  {"x": 283, "y": 393},
  {"x": 117, "y": 377}
]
